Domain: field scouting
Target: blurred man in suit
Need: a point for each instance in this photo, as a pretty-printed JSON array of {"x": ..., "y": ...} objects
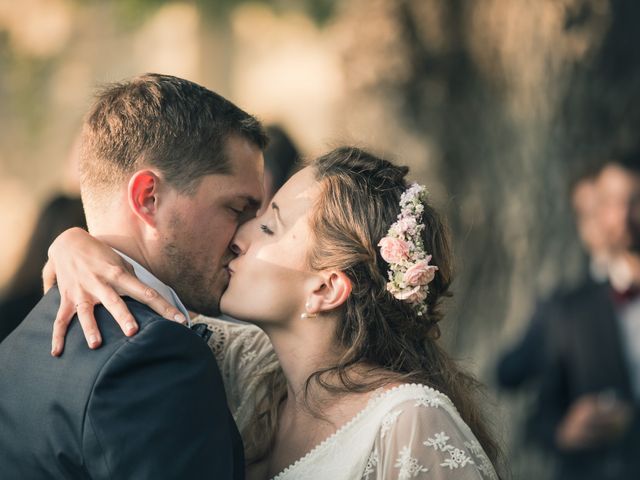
[{"x": 590, "y": 387}]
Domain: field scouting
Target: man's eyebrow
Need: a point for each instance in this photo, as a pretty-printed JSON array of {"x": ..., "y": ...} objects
[{"x": 251, "y": 201}]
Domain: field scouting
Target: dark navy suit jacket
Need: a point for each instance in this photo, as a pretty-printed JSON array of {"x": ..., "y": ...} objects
[
  {"x": 151, "y": 406},
  {"x": 585, "y": 355}
]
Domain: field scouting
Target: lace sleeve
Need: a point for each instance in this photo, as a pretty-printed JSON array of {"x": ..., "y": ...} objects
[
  {"x": 243, "y": 352},
  {"x": 426, "y": 441}
]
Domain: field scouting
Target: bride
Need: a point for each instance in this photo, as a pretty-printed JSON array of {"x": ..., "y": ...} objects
[{"x": 341, "y": 375}]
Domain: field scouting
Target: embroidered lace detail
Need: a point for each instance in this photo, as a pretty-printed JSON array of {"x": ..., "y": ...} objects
[
  {"x": 218, "y": 340},
  {"x": 388, "y": 421},
  {"x": 457, "y": 458},
  {"x": 439, "y": 442},
  {"x": 247, "y": 357},
  {"x": 408, "y": 465},
  {"x": 431, "y": 400},
  {"x": 372, "y": 463},
  {"x": 482, "y": 461},
  {"x": 378, "y": 396}
]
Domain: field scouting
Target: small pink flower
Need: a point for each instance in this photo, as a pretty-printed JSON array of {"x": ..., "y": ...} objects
[
  {"x": 420, "y": 273},
  {"x": 412, "y": 295},
  {"x": 393, "y": 250},
  {"x": 405, "y": 224}
]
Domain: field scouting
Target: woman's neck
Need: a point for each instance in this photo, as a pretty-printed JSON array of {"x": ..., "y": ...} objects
[{"x": 303, "y": 347}]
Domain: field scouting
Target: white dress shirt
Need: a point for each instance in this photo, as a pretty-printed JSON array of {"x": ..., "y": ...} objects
[
  {"x": 629, "y": 317},
  {"x": 150, "y": 280}
]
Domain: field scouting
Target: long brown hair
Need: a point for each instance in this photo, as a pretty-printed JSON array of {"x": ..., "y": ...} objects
[{"x": 358, "y": 201}]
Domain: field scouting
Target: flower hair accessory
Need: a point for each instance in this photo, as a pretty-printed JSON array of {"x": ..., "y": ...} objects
[{"x": 403, "y": 249}]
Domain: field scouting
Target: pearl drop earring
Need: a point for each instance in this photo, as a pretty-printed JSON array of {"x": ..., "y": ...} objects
[{"x": 307, "y": 314}]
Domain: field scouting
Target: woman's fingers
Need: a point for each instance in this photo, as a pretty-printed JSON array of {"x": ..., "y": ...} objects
[
  {"x": 60, "y": 326},
  {"x": 48, "y": 276},
  {"x": 89, "y": 325},
  {"x": 118, "y": 309},
  {"x": 129, "y": 285}
]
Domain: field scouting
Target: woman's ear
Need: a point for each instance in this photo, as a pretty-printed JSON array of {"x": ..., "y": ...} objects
[
  {"x": 142, "y": 195},
  {"x": 331, "y": 293}
]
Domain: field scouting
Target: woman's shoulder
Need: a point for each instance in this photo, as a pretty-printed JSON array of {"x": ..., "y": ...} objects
[
  {"x": 243, "y": 353},
  {"x": 414, "y": 397},
  {"x": 420, "y": 422}
]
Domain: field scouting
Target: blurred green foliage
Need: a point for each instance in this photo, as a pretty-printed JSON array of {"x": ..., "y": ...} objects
[{"x": 133, "y": 12}]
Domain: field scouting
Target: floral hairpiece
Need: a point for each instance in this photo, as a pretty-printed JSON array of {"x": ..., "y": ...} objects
[{"x": 403, "y": 249}]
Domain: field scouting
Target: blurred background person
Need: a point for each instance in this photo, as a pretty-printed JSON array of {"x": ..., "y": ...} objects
[
  {"x": 281, "y": 158},
  {"x": 25, "y": 288},
  {"x": 524, "y": 361},
  {"x": 61, "y": 211},
  {"x": 590, "y": 388}
]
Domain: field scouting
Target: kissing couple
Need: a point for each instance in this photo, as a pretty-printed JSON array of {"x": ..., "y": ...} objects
[{"x": 335, "y": 370}]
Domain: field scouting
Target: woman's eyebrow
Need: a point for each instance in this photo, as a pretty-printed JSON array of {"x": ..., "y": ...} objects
[{"x": 276, "y": 209}]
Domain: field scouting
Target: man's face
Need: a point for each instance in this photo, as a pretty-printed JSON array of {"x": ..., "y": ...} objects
[
  {"x": 196, "y": 230},
  {"x": 585, "y": 207},
  {"x": 615, "y": 186}
]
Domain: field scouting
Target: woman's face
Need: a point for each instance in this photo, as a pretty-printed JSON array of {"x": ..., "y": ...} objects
[{"x": 270, "y": 279}]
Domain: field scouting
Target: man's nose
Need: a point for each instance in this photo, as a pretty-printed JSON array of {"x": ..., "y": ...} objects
[{"x": 239, "y": 241}]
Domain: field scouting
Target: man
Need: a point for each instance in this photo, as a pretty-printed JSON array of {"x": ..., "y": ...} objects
[
  {"x": 168, "y": 171},
  {"x": 524, "y": 362},
  {"x": 589, "y": 392}
]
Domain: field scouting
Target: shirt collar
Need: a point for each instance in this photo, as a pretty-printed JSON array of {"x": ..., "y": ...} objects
[{"x": 150, "y": 280}]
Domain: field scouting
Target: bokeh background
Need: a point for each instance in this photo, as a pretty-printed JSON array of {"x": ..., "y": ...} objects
[{"x": 495, "y": 104}]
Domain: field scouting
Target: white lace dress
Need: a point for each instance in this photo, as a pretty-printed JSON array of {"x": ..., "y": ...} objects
[{"x": 409, "y": 431}]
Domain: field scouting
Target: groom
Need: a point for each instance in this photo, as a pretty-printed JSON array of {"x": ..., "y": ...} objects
[{"x": 169, "y": 169}]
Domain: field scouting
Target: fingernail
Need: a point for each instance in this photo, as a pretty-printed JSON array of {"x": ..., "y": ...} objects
[
  {"x": 93, "y": 341},
  {"x": 54, "y": 350},
  {"x": 178, "y": 317},
  {"x": 130, "y": 328}
]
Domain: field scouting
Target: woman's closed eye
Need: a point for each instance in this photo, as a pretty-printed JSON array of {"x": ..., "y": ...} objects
[{"x": 266, "y": 229}]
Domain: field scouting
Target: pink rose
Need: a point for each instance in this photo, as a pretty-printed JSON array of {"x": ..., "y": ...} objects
[
  {"x": 393, "y": 250},
  {"x": 420, "y": 273},
  {"x": 412, "y": 295}
]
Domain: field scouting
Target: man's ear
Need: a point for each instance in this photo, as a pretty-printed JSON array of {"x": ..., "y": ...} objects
[
  {"x": 142, "y": 195},
  {"x": 331, "y": 293}
]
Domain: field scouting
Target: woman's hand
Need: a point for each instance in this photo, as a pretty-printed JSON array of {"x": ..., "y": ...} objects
[{"x": 88, "y": 273}]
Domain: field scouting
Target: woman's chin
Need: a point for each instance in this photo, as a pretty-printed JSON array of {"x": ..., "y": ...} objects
[{"x": 229, "y": 307}]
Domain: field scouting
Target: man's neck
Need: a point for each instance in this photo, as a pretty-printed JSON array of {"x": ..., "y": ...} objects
[{"x": 127, "y": 245}]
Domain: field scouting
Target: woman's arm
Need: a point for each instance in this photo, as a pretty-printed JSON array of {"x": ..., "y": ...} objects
[{"x": 88, "y": 273}]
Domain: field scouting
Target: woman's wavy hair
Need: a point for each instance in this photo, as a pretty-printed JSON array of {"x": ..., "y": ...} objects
[{"x": 358, "y": 201}]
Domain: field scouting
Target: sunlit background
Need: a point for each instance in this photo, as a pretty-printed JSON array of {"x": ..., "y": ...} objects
[{"x": 495, "y": 104}]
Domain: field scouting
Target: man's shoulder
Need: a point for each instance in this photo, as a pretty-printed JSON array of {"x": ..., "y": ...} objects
[{"x": 154, "y": 332}]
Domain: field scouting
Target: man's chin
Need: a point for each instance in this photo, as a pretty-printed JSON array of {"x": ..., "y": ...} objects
[
  {"x": 209, "y": 307},
  {"x": 206, "y": 311}
]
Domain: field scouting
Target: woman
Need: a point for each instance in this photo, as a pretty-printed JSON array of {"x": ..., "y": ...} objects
[{"x": 344, "y": 273}]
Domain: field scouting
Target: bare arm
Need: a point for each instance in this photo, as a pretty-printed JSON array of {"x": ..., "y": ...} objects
[{"x": 88, "y": 273}]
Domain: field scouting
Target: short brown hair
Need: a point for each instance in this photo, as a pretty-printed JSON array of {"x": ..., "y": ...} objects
[{"x": 162, "y": 121}]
